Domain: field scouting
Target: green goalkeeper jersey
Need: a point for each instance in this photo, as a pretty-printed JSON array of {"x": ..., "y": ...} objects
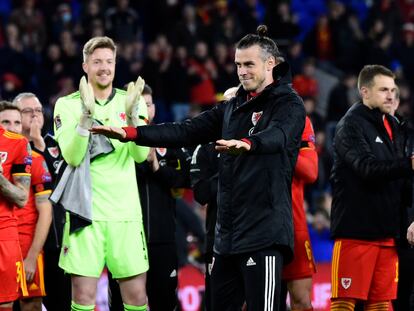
[{"x": 114, "y": 187}]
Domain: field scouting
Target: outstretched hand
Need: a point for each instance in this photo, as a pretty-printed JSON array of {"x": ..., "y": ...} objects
[
  {"x": 232, "y": 146},
  {"x": 88, "y": 103},
  {"x": 133, "y": 93},
  {"x": 109, "y": 131}
]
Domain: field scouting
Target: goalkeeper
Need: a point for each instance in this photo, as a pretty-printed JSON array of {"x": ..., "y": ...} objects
[{"x": 111, "y": 239}]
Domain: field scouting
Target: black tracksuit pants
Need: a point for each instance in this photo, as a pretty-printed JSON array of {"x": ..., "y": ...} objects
[{"x": 254, "y": 277}]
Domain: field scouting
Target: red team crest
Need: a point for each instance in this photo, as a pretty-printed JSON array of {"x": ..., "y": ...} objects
[
  {"x": 256, "y": 117},
  {"x": 346, "y": 282},
  {"x": 161, "y": 151},
  {"x": 122, "y": 116},
  {"x": 3, "y": 156},
  {"x": 53, "y": 151}
]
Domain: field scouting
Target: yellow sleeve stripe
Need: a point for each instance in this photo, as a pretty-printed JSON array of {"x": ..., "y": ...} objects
[
  {"x": 22, "y": 174},
  {"x": 12, "y": 135},
  {"x": 35, "y": 154},
  {"x": 43, "y": 192}
]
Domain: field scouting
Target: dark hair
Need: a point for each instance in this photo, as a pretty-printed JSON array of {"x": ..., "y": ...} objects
[
  {"x": 147, "y": 90},
  {"x": 397, "y": 93},
  {"x": 6, "y": 105},
  {"x": 369, "y": 72},
  {"x": 267, "y": 45}
]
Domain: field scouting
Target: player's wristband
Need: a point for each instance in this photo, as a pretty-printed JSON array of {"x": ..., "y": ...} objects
[
  {"x": 131, "y": 134},
  {"x": 247, "y": 141}
]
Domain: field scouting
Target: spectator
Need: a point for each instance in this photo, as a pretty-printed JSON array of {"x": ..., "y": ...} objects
[
  {"x": 282, "y": 22},
  {"x": 305, "y": 83},
  {"x": 31, "y": 23},
  {"x": 340, "y": 98},
  {"x": 203, "y": 72},
  {"x": 189, "y": 29},
  {"x": 178, "y": 87},
  {"x": 226, "y": 75},
  {"x": 122, "y": 22}
]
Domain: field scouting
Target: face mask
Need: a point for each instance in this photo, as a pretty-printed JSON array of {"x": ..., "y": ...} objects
[{"x": 66, "y": 17}]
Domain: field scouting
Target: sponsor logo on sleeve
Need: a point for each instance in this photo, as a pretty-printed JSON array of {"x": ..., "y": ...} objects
[
  {"x": 46, "y": 177},
  {"x": 312, "y": 138},
  {"x": 27, "y": 160},
  {"x": 58, "y": 122}
]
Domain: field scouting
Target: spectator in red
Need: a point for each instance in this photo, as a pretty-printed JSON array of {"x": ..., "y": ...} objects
[
  {"x": 202, "y": 71},
  {"x": 319, "y": 41},
  {"x": 305, "y": 83}
]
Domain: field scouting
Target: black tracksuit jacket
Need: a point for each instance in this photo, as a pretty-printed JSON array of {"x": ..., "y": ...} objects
[
  {"x": 204, "y": 181},
  {"x": 155, "y": 192},
  {"x": 368, "y": 176},
  {"x": 254, "y": 192}
]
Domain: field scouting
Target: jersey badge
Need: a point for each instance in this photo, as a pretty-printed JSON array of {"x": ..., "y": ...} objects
[
  {"x": 346, "y": 282},
  {"x": 256, "y": 117},
  {"x": 53, "y": 151},
  {"x": 161, "y": 151},
  {"x": 3, "y": 156},
  {"x": 122, "y": 116}
]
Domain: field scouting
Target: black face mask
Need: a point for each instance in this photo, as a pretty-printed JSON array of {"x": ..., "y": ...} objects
[{"x": 200, "y": 59}]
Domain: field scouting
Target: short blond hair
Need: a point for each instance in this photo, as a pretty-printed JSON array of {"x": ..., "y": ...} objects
[{"x": 98, "y": 43}]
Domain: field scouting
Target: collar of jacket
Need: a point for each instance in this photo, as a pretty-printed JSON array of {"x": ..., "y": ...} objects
[{"x": 374, "y": 115}]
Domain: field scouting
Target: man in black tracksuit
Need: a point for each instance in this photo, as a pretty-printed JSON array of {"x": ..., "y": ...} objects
[
  {"x": 158, "y": 210},
  {"x": 204, "y": 181},
  {"x": 159, "y": 179},
  {"x": 369, "y": 175},
  {"x": 258, "y": 132}
]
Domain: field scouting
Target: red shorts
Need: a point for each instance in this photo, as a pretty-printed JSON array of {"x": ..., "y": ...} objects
[
  {"x": 11, "y": 266},
  {"x": 36, "y": 288},
  {"x": 364, "y": 270},
  {"x": 303, "y": 265}
]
